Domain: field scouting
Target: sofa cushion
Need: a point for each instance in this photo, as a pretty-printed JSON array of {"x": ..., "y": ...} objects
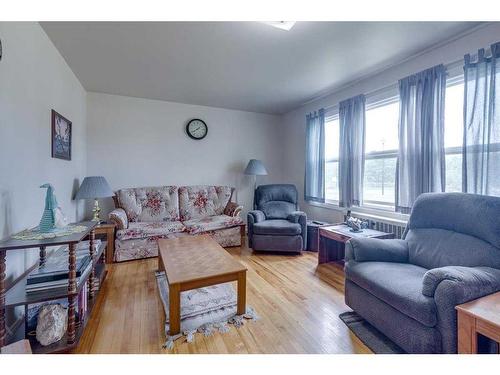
[
  {"x": 145, "y": 230},
  {"x": 150, "y": 204},
  {"x": 209, "y": 223},
  {"x": 277, "y": 227},
  {"x": 202, "y": 201},
  {"x": 398, "y": 285}
]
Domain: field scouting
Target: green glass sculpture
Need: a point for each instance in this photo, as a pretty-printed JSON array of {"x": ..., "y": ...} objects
[{"x": 48, "y": 220}]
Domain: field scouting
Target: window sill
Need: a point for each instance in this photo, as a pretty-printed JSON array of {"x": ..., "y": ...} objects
[
  {"x": 367, "y": 212},
  {"x": 330, "y": 206}
]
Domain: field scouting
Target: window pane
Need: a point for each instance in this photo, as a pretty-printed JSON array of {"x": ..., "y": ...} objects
[
  {"x": 453, "y": 136},
  {"x": 381, "y": 136},
  {"x": 332, "y": 181},
  {"x": 493, "y": 175},
  {"x": 454, "y": 173},
  {"x": 382, "y": 128},
  {"x": 453, "y": 116},
  {"x": 379, "y": 180},
  {"x": 332, "y": 134}
]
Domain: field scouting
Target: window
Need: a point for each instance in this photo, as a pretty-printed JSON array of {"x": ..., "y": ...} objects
[
  {"x": 453, "y": 134},
  {"x": 381, "y": 146},
  {"x": 332, "y": 135},
  {"x": 381, "y": 151}
]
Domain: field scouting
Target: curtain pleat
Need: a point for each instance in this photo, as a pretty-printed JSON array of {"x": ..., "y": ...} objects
[
  {"x": 351, "y": 151},
  {"x": 421, "y": 156},
  {"x": 481, "y": 147},
  {"x": 314, "y": 184}
]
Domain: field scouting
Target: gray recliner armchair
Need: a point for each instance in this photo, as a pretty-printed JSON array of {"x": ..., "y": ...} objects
[
  {"x": 275, "y": 224},
  {"x": 408, "y": 289}
]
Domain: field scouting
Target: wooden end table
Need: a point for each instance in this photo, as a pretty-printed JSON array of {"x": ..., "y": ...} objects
[
  {"x": 108, "y": 230},
  {"x": 481, "y": 316},
  {"x": 193, "y": 262},
  {"x": 332, "y": 239}
]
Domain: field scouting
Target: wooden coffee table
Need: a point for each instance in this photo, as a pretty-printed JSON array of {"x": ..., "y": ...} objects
[{"x": 193, "y": 262}]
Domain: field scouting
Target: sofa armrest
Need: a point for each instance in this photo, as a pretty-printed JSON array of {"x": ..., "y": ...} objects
[
  {"x": 119, "y": 217},
  {"x": 233, "y": 209},
  {"x": 376, "y": 250},
  {"x": 461, "y": 284}
]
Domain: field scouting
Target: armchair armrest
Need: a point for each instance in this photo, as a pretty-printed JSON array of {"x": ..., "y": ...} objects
[
  {"x": 461, "y": 284},
  {"x": 297, "y": 217},
  {"x": 255, "y": 216},
  {"x": 300, "y": 217},
  {"x": 233, "y": 209},
  {"x": 376, "y": 250},
  {"x": 119, "y": 217}
]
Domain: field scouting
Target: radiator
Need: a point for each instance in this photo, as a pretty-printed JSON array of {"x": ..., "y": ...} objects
[
  {"x": 397, "y": 227},
  {"x": 389, "y": 227}
]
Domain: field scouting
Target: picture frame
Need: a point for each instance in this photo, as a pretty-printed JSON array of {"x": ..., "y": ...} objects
[{"x": 61, "y": 136}]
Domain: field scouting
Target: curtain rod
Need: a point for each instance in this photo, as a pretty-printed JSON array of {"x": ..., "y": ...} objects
[{"x": 449, "y": 66}]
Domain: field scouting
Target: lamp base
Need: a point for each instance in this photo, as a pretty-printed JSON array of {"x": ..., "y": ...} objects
[{"x": 96, "y": 211}]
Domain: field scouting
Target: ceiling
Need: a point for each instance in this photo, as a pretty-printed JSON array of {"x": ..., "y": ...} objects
[{"x": 248, "y": 66}]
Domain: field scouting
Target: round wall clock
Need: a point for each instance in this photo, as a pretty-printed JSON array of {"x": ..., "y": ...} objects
[{"x": 196, "y": 129}]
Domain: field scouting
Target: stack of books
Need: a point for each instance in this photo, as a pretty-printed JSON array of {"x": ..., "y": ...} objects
[
  {"x": 83, "y": 298},
  {"x": 53, "y": 274}
]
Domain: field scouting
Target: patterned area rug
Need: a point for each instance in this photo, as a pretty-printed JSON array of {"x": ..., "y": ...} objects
[
  {"x": 203, "y": 310},
  {"x": 371, "y": 337}
]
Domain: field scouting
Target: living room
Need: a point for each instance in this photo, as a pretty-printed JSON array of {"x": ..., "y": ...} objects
[{"x": 249, "y": 187}]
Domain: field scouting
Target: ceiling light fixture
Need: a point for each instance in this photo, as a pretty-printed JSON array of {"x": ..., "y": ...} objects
[{"x": 283, "y": 25}]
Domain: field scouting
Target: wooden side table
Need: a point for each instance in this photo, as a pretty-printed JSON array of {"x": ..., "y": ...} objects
[
  {"x": 481, "y": 316},
  {"x": 313, "y": 234},
  {"x": 17, "y": 296},
  {"x": 107, "y": 229},
  {"x": 332, "y": 239}
]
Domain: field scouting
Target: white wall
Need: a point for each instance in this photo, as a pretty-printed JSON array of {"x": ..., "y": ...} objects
[
  {"x": 294, "y": 121},
  {"x": 34, "y": 79},
  {"x": 140, "y": 142}
]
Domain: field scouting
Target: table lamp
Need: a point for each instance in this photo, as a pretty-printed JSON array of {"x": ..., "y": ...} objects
[{"x": 94, "y": 187}]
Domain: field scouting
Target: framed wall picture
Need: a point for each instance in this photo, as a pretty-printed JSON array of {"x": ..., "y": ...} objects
[{"x": 61, "y": 136}]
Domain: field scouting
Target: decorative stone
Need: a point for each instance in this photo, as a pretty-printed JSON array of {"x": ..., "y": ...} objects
[{"x": 52, "y": 324}]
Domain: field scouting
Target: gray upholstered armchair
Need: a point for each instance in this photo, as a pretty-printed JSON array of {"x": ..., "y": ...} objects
[
  {"x": 275, "y": 224},
  {"x": 408, "y": 289}
]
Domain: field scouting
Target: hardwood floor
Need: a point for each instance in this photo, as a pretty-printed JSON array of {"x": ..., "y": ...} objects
[{"x": 297, "y": 301}]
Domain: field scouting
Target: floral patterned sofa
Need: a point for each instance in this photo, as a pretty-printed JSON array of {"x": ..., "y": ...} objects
[{"x": 144, "y": 215}]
